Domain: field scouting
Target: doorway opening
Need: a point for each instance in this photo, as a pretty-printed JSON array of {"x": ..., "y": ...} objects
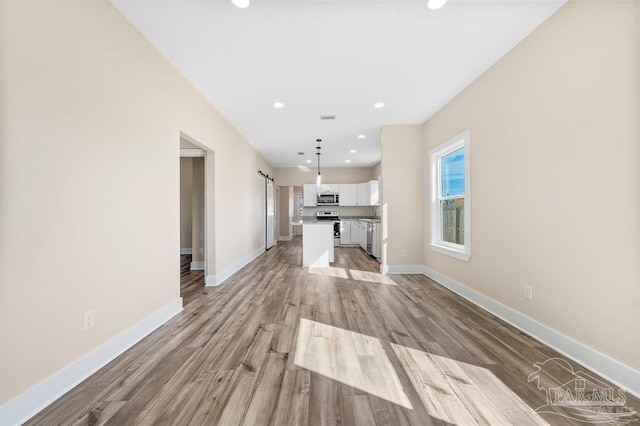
[{"x": 193, "y": 214}]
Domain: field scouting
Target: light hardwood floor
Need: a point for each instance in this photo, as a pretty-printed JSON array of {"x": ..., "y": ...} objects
[{"x": 277, "y": 344}]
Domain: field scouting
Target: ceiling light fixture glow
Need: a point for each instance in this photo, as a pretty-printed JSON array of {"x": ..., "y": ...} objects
[
  {"x": 361, "y": 136},
  {"x": 436, "y": 4},
  {"x": 278, "y": 105},
  {"x": 353, "y": 151},
  {"x": 308, "y": 161},
  {"x": 378, "y": 105},
  {"x": 242, "y": 4},
  {"x": 347, "y": 161}
]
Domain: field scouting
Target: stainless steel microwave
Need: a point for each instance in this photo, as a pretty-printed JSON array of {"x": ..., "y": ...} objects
[{"x": 328, "y": 199}]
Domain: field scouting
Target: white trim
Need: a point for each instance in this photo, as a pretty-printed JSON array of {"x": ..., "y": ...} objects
[
  {"x": 402, "y": 269},
  {"x": 215, "y": 280},
  {"x": 192, "y": 152},
  {"x": 187, "y": 250},
  {"x": 462, "y": 252},
  {"x": 458, "y": 254},
  {"x": 27, "y": 405},
  {"x": 197, "y": 266},
  {"x": 612, "y": 370},
  {"x": 289, "y": 238}
]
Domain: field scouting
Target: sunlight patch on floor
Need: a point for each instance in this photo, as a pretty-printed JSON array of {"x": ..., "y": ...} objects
[
  {"x": 350, "y": 358},
  {"x": 329, "y": 271},
  {"x": 373, "y": 277},
  {"x": 461, "y": 393}
]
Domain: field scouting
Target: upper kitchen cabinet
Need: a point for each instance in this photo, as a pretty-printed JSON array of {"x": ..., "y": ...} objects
[
  {"x": 374, "y": 193},
  {"x": 348, "y": 194},
  {"x": 330, "y": 189},
  {"x": 367, "y": 193},
  {"x": 310, "y": 195},
  {"x": 351, "y": 194}
]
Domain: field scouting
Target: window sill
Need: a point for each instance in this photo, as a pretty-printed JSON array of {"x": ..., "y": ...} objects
[{"x": 458, "y": 254}]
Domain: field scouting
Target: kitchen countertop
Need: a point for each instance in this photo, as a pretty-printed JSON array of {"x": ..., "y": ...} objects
[{"x": 314, "y": 222}]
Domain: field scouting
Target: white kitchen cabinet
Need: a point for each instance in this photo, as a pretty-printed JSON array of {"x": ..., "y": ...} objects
[
  {"x": 368, "y": 194},
  {"x": 345, "y": 232},
  {"x": 362, "y": 234},
  {"x": 374, "y": 193},
  {"x": 310, "y": 195},
  {"x": 328, "y": 188},
  {"x": 362, "y": 194},
  {"x": 348, "y": 194},
  {"x": 355, "y": 237}
]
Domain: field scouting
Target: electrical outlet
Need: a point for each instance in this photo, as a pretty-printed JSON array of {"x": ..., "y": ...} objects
[
  {"x": 528, "y": 292},
  {"x": 403, "y": 253},
  {"x": 89, "y": 320}
]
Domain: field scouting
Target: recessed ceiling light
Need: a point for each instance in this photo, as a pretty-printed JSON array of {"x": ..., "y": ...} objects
[
  {"x": 242, "y": 4},
  {"x": 361, "y": 136},
  {"x": 378, "y": 105},
  {"x": 353, "y": 151},
  {"x": 347, "y": 161},
  {"x": 436, "y": 4},
  {"x": 278, "y": 105},
  {"x": 308, "y": 161}
]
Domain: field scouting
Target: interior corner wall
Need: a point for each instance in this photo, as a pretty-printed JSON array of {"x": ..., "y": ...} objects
[
  {"x": 402, "y": 195},
  {"x": 555, "y": 177},
  {"x": 90, "y": 183},
  {"x": 186, "y": 202}
]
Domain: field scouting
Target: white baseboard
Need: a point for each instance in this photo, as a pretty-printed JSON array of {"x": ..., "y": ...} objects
[
  {"x": 214, "y": 280},
  {"x": 27, "y": 405},
  {"x": 612, "y": 370},
  {"x": 402, "y": 269},
  {"x": 197, "y": 266},
  {"x": 186, "y": 250},
  {"x": 289, "y": 238}
]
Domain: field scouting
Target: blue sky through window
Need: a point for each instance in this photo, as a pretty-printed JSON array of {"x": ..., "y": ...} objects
[{"x": 452, "y": 170}]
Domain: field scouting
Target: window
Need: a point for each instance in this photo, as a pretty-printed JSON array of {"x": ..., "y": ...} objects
[{"x": 450, "y": 209}]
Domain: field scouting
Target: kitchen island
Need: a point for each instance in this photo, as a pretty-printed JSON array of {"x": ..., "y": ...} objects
[{"x": 317, "y": 243}]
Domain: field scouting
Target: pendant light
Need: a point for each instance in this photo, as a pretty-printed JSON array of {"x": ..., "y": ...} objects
[{"x": 319, "y": 176}]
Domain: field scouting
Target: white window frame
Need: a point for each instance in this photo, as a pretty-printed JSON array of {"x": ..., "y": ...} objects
[{"x": 462, "y": 252}]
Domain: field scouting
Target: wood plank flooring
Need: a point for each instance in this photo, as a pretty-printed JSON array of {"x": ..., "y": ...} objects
[{"x": 278, "y": 344}]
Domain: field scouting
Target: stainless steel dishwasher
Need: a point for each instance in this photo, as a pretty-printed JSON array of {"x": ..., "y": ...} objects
[{"x": 370, "y": 238}]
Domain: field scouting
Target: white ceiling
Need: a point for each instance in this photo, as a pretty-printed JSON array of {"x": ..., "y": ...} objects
[{"x": 331, "y": 57}]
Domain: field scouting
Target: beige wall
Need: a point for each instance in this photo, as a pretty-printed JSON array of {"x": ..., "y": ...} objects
[
  {"x": 186, "y": 202},
  {"x": 88, "y": 160},
  {"x": 293, "y": 176},
  {"x": 402, "y": 192},
  {"x": 555, "y": 153},
  {"x": 286, "y": 211},
  {"x": 376, "y": 171}
]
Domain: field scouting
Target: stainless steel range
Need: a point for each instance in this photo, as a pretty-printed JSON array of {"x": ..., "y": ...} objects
[{"x": 335, "y": 218}]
